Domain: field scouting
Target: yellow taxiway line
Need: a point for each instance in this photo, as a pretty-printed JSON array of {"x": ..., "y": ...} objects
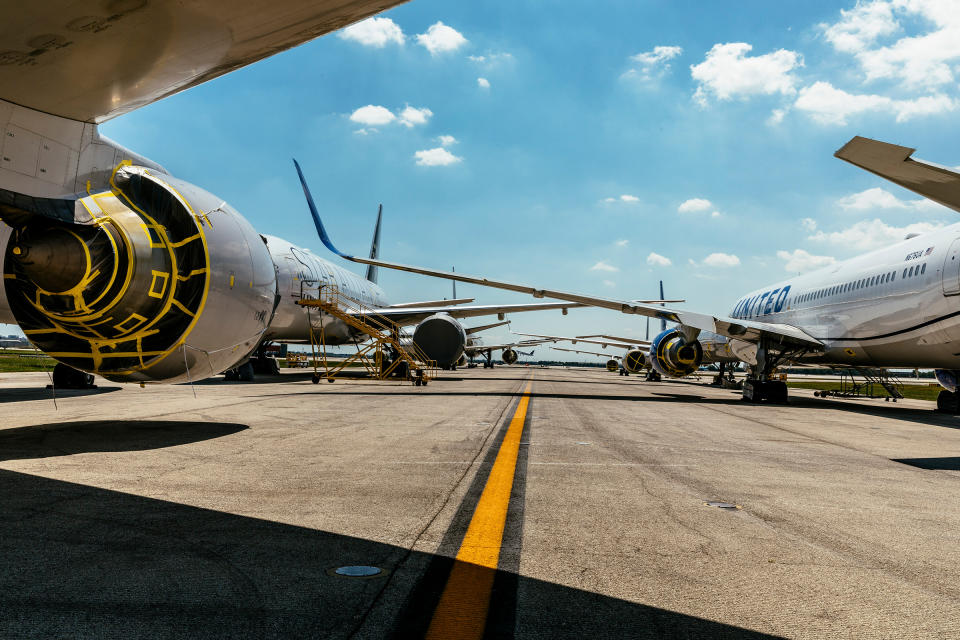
[{"x": 462, "y": 610}]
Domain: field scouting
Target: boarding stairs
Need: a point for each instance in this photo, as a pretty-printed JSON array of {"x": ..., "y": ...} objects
[
  {"x": 873, "y": 381},
  {"x": 382, "y": 355}
]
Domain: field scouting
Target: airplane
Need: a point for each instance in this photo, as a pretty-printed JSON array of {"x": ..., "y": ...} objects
[
  {"x": 614, "y": 362},
  {"x": 115, "y": 267},
  {"x": 896, "y": 307},
  {"x": 633, "y": 361}
]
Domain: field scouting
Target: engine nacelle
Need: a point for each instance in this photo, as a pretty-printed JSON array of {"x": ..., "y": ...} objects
[
  {"x": 613, "y": 365},
  {"x": 509, "y": 356},
  {"x": 155, "y": 280},
  {"x": 672, "y": 355},
  {"x": 949, "y": 379},
  {"x": 634, "y": 360},
  {"x": 441, "y": 339}
]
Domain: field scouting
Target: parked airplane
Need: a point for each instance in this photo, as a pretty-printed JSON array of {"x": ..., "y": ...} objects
[
  {"x": 113, "y": 266},
  {"x": 894, "y": 307}
]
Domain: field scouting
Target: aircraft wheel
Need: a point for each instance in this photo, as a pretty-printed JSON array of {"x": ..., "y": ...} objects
[
  {"x": 65, "y": 377},
  {"x": 316, "y": 379},
  {"x": 948, "y": 402},
  {"x": 245, "y": 372}
]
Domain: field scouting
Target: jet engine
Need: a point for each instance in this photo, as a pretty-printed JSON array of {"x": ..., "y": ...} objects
[
  {"x": 154, "y": 280},
  {"x": 440, "y": 338},
  {"x": 509, "y": 356},
  {"x": 673, "y": 355},
  {"x": 612, "y": 365},
  {"x": 634, "y": 360}
]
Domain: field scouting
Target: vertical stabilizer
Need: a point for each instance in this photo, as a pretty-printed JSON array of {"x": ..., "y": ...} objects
[
  {"x": 663, "y": 323},
  {"x": 375, "y": 248}
]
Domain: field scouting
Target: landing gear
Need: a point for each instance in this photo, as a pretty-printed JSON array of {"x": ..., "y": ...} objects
[
  {"x": 948, "y": 402},
  {"x": 772, "y": 391},
  {"x": 243, "y": 373},
  {"x": 653, "y": 375},
  {"x": 65, "y": 377},
  {"x": 623, "y": 372},
  {"x": 758, "y": 387}
]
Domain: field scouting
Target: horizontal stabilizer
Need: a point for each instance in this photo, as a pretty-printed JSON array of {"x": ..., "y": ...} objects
[
  {"x": 430, "y": 303},
  {"x": 894, "y": 163},
  {"x": 484, "y": 327}
]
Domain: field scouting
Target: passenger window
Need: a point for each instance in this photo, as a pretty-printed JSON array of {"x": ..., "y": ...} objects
[
  {"x": 904, "y": 273},
  {"x": 923, "y": 269},
  {"x": 910, "y": 273}
]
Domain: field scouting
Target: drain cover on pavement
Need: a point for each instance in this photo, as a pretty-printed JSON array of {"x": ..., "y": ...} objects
[
  {"x": 356, "y": 571},
  {"x": 721, "y": 505}
]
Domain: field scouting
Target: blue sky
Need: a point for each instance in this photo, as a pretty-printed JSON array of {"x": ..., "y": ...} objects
[{"x": 589, "y": 146}]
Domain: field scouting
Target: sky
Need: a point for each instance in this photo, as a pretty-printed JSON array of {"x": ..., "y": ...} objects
[{"x": 596, "y": 146}]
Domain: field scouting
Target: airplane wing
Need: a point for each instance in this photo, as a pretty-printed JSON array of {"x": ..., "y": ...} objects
[
  {"x": 603, "y": 343},
  {"x": 92, "y": 61},
  {"x": 591, "y": 353},
  {"x": 480, "y": 348},
  {"x": 748, "y": 330},
  {"x": 412, "y": 315},
  {"x": 894, "y": 163},
  {"x": 617, "y": 339}
]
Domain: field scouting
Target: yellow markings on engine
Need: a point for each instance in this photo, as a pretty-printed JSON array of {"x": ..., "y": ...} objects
[
  {"x": 163, "y": 278},
  {"x": 17, "y": 251},
  {"x": 850, "y": 352},
  {"x": 177, "y": 304},
  {"x": 135, "y": 321},
  {"x": 195, "y": 272},
  {"x": 231, "y": 280},
  {"x": 88, "y": 187},
  {"x": 177, "y": 245},
  {"x": 9, "y": 276},
  {"x": 154, "y": 235}
]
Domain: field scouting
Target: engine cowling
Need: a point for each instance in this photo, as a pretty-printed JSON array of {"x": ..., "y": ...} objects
[
  {"x": 634, "y": 360},
  {"x": 440, "y": 338},
  {"x": 155, "y": 280},
  {"x": 613, "y": 365},
  {"x": 509, "y": 356},
  {"x": 673, "y": 355}
]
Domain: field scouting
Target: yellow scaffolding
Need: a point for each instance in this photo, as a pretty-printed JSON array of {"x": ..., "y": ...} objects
[{"x": 408, "y": 360}]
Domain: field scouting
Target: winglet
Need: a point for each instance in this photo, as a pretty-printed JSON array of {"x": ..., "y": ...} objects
[
  {"x": 324, "y": 238},
  {"x": 375, "y": 248}
]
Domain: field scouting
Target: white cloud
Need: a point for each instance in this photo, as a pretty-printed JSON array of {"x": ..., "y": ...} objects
[
  {"x": 727, "y": 72},
  {"x": 373, "y": 32},
  {"x": 446, "y": 141},
  {"x": 657, "y": 260},
  {"x": 715, "y": 214},
  {"x": 411, "y": 116},
  {"x": 721, "y": 260},
  {"x": 629, "y": 198},
  {"x": 365, "y": 131},
  {"x": 483, "y": 83},
  {"x": 609, "y": 200},
  {"x": 603, "y": 266},
  {"x": 478, "y": 59},
  {"x": 800, "y": 261},
  {"x": 828, "y": 105},
  {"x": 440, "y": 38},
  {"x": 872, "y": 234},
  {"x": 920, "y": 60},
  {"x": 609, "y": 283},
  {"x": 438, "y": 157},
  {"x": 622, "y": 243},
  {"x": 694, "y": 204},
  {"x": 776, "y": 116},
  {"x": 651, "y": 64},
  {"x": 877, "y": 198},
  {"x": 861, "y": 26},
  {"x": 808, "y": 224},
  {"x": 373, "y": 115}
]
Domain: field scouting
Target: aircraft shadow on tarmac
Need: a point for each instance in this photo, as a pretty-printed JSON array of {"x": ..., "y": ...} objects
[
  {"x": 79, "y": 561},
  {"x": 24, "y": 394},
  {"x": 933, "y": 464},
  {"x": 67, "y": 438}
]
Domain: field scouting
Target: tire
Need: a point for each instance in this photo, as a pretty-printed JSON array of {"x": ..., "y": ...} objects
[
  {"x": 65, "y": 377},
  {"x": 948, "y": 402}
]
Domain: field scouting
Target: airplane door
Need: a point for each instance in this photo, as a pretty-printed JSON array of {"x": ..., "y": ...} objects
[
  {"x": 951, "y": 270},
  {"x": 292, "y": 274}
]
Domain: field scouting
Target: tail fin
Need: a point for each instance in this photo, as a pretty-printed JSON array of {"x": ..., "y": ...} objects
[
  {"x": 663, "y": 323},
  {"x": 375, "y": 248}
]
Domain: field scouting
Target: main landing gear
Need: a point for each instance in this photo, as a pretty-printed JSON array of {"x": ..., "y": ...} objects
[
  {"x": 65, "y": 377},
  {"x": 758, "y": 387},
  {"x": 948, "y": 402}
]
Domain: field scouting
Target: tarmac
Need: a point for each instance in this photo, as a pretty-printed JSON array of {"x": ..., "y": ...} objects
[{"x": 590, "y": 506}]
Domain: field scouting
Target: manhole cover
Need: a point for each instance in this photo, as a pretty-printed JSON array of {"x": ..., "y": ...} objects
[
  {"x": 721, "y": 505},
  {"x": 357, "y": 571}
]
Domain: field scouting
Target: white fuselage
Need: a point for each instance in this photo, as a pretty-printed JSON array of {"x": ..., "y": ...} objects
[
  {"x": 895, "y": 307},
  {"x": 299, "y": 274}
]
